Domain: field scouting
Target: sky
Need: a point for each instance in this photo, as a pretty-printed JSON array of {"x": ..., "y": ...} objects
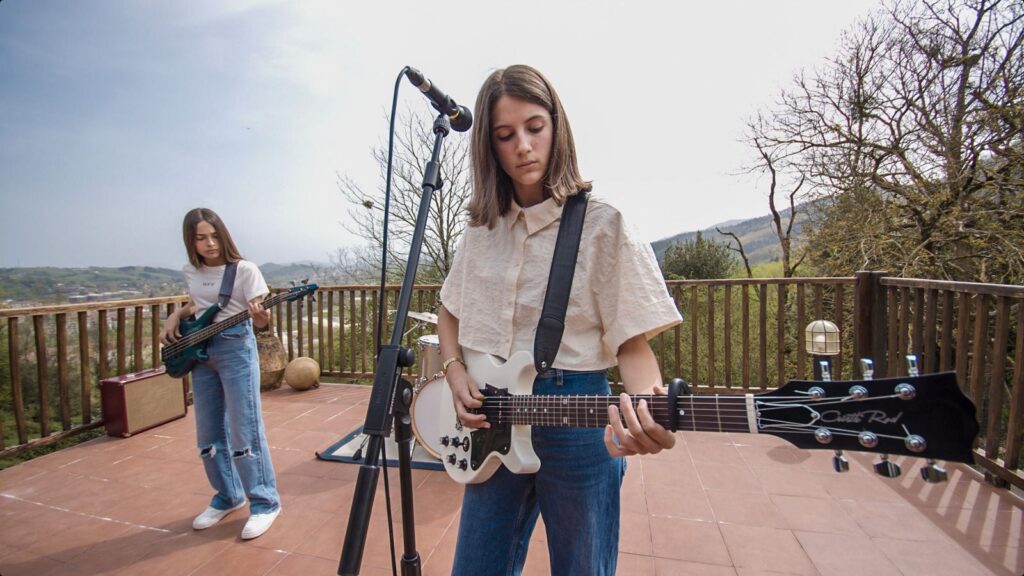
[{"x": 118, "y": 116}]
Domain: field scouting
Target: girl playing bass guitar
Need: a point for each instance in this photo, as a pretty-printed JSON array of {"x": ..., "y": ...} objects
[{"x": 226, "y": 387}]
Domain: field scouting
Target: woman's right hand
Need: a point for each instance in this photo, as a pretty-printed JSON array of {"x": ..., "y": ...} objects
[
  {"x": 171, "y": 332},
  {"x": 465, "y": 395}
]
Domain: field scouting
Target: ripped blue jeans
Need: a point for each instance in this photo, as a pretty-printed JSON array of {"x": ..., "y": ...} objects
[
  {"x": 229, "y": 425},
  {"x": 576, "y": 490}
]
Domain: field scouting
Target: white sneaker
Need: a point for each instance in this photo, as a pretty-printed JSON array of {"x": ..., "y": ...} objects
[
  {"x": 257, "y": 524},
  {"x": 211, "y": 516}
]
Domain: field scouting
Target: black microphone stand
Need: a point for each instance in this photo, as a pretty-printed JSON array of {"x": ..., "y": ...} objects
[{"x": 391, "y": 399}]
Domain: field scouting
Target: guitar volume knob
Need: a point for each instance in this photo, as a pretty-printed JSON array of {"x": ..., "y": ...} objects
[
  {"x": 451, "y": 458},
  {"x": 463, "y": 464}
]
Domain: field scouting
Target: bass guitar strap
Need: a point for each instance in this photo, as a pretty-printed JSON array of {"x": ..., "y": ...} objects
[
  {"x": 227, "y": 285},
  {"x": 563, "y": 268}
]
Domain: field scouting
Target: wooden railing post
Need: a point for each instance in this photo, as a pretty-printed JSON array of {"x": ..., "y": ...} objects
[{"x": 869, "y": 322}]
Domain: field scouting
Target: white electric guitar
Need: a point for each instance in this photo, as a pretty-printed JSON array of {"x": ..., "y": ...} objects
[{"x": 924, "y": 416}]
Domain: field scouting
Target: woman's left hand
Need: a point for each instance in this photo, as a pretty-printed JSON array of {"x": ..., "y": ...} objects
[
  {"x": 260, "y": 315},
  {"x": 641, "y": 434}
]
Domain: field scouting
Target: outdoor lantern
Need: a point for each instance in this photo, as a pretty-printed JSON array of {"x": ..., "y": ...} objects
[{"x": 821, "y": 340}]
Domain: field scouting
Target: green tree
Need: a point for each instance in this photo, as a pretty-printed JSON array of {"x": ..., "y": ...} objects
[{"x": 699, "y": 258}]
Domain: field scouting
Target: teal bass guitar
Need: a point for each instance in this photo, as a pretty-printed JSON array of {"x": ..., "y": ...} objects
[{"x": 180, "y": 357}]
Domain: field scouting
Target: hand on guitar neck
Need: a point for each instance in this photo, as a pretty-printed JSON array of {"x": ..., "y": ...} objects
[
  {"x": 641, "y": 434},
  {"x": 260, "y": 315}
]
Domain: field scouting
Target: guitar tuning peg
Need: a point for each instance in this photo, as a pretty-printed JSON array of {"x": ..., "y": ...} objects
[
  {"x": 933, "y": 473},
  {"x": 826, "y": 371},
  {"x": 840, "y": 462},
  {"x": 887, "y": 468},
  {"x": 867, "y": 368},
  {"x": 912, "y": 370}
]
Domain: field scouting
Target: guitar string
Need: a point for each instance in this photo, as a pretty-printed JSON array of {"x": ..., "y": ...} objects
[
  {"x": 660, "y": 402},
  {"x": 535, "y": 408},
  {"x": 195, "y": 337}
]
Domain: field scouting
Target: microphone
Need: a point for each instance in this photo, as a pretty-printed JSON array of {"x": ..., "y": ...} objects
[{"x": 460, "y": 116}]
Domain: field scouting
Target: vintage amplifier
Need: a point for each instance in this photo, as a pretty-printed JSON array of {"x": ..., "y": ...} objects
[{"x": 141, "y": 400}]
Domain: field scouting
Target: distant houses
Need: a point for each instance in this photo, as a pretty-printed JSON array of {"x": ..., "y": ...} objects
[{"x": 100, "y": 296}]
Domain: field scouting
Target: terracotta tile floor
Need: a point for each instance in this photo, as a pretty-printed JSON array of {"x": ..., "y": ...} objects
[{"x": 718, "y": 504}]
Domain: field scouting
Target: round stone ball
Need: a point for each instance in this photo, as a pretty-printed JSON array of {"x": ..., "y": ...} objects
[{"x": 302, "y": 373}]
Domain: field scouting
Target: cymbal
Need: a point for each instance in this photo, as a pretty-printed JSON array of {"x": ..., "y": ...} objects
[{"x": 423, "y": 316}]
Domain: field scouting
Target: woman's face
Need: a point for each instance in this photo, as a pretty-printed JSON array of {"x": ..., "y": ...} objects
[
  {"x": 208, "y": 244},
  {"x": 521, "y": 136}
]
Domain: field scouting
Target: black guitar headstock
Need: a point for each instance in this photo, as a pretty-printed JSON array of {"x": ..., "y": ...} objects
[{"x": 924, "y": 416}]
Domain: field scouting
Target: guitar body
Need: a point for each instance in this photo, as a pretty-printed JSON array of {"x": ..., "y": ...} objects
[
  {"x": 478, "y": 453},
  {"x": 184, "y": 361}
]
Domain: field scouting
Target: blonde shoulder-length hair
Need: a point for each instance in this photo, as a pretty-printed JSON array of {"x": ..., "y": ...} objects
[
  {"x": 188, "y": 232},
  {"x": 492, "y": 186}
]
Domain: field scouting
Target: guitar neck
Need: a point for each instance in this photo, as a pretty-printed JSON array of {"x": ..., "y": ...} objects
[
  {"x": 234, "y": 320},
  {"x": 696, "y": 413}
]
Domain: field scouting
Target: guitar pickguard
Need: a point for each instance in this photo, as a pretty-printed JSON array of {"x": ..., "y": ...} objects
[{"x": 508, "y": 444}]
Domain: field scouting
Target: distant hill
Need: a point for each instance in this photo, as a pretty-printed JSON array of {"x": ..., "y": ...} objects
[
  {"x": 282, "y": 275},
  {"x": 48, "y": 285},
  {"x": 69, "y": 285},
  {"x": 759, "y": 240}
]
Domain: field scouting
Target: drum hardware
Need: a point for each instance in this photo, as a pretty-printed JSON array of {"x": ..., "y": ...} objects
[
  {"x": 429, "y": 356},
  {"x": 428, "y": 317}
]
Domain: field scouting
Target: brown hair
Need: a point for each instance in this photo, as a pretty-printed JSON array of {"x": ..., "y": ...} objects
[
  {"x": 492, "y": 186},
  {"x": 188, "y": 231}
]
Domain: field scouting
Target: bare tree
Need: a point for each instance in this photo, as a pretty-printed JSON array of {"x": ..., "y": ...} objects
[
  {"x": 413, "y": 145},
  {"x": 911, "y": 135},
  {"x": 739, "y": 249},
  {"x": 783, "y": 231},
  {"x": 348, "y": 265}
]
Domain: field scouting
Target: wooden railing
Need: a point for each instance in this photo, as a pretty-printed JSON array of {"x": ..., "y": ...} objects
[
  {"x": 976, "y": 330},
  {"x": 60, "y": 381},
  {"x": 738, "y": 336}
]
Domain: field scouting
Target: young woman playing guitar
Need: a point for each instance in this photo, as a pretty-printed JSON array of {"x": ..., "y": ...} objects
[{"x": 524, "y": 169}]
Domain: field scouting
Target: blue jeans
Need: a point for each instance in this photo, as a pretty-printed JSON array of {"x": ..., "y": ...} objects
[
  {"x": 229, "y": 426},
  {"x": 576, "y": 490}
]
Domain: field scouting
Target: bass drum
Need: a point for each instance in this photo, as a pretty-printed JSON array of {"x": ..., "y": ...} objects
[{"x": 426, "y": 415}]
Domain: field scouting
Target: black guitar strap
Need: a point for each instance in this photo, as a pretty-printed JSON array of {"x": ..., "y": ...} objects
[
  {"x": 227, "y": 285},
  {"x": 563, "y": 268}
]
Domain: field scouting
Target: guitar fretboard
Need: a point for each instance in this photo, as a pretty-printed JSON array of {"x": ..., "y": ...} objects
[
  {"x": 212, "y": 330},
  {"x": 698, "y": 413}
]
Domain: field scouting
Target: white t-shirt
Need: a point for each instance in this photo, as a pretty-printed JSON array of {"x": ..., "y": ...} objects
[{"x": 204, "y": 287}]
